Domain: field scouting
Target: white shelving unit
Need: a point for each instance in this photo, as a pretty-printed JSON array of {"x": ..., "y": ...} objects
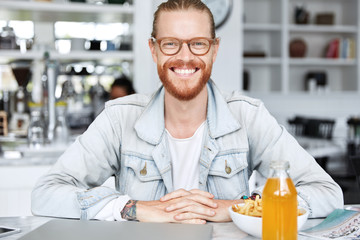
[
  {"x": 45, "y": 14},
  {"x": 74, "y": 55},
  {"x": 269, "y": 27},
  {"x": 51, "y": 12}
]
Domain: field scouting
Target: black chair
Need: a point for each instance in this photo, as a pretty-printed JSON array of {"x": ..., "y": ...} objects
[
  {"x": 313, "y": 128},
  {"x": 355, "y": 163}
]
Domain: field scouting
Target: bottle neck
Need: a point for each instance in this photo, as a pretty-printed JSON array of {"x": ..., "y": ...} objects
[{"x": 279, "y": 169}]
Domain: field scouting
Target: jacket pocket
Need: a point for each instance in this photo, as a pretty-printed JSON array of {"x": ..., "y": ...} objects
[
  {"x": 228, "y": 176},
  {"x": 143, "y": 179}
]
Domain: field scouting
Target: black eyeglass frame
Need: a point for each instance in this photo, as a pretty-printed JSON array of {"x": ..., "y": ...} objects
[{"x": 212, "y": 41}]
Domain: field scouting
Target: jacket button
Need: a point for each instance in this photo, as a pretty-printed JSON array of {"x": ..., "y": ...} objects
[
  {"x": 227, "y": 168},
  {"x": 143, "y": 171}
]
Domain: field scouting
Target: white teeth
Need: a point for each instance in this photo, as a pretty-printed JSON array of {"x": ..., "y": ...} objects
[{"x": 184, "y": 71}]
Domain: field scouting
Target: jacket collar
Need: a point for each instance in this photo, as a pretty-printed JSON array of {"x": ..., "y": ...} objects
[
  {"x": 151, "y": 124},
  {"x": 220, "y": 119}
]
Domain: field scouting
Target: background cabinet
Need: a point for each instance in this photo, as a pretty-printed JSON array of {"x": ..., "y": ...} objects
[{"x": 269, "y": 27}]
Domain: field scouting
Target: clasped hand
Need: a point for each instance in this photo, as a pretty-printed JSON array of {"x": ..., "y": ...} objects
[{"x": 194, "y": 206}]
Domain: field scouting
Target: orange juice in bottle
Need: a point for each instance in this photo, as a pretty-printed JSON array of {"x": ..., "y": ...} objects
[{"x": 279, "y": 199}]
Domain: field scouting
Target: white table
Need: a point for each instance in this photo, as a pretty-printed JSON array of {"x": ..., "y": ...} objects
[{"x": 220, "y": 230}]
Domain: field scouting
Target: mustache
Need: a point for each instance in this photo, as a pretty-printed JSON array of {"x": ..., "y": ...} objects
[{"x": 178, "y": 63}]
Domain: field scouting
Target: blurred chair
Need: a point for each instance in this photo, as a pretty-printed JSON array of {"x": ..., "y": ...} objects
[
  {"x": 315, "y": 129},
  {"x": 355, "y": 163},
  {"x": 353, "y": 147}
]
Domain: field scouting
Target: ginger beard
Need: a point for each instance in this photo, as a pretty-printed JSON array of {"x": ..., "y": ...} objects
[{"x": 184, "y": 89}]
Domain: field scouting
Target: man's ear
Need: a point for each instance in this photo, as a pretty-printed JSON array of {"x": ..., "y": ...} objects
[
  {"x": 153, "y": 50},
  {"x": 216, "y": 48}
]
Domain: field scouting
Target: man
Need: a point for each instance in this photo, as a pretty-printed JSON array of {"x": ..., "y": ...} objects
[
  {"x": 121, "y": 87},
  {"x": 185, "y": 153}
]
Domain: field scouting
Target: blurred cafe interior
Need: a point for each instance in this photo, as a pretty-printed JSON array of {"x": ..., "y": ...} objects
[{"x": 59, "y": 58}]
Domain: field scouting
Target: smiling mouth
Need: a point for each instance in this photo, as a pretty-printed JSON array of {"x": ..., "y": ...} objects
[{"x": 184, "y": 71}]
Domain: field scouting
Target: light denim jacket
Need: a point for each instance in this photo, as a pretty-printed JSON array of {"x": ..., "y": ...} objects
[{"x": 130, "y": 134}]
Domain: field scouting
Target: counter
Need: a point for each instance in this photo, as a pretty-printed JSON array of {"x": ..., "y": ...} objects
[{"x": 20, "y": 168}]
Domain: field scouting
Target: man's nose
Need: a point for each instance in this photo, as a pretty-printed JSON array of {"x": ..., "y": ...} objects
[{"x": 185, "y": 54}]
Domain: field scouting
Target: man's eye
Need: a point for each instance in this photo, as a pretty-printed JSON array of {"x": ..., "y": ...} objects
[
  {"x": 169, "y": 44},
  {"x": 198, "y": 44}
]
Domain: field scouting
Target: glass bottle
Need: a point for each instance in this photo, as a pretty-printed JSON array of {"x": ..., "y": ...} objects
[
  {"x": 37, "y": 128},
  {"x": 279, "y": 200},
  {"x": 61, "y": 134}
]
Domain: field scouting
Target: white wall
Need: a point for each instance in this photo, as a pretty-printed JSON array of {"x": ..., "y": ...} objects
[{"x": 228, "y": 66}]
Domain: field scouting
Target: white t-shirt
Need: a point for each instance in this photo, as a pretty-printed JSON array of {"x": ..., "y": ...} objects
[{"x": 185, "y": 155}]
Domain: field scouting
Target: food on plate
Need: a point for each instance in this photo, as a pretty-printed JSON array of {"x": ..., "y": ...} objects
[{"x": 253, "y": 207}]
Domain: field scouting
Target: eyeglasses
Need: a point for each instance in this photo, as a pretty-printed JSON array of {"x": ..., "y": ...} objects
[{"x": 197, "y": 46}]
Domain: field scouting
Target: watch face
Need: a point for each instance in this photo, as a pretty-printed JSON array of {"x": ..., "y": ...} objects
[{"x": 220, "y": 9}]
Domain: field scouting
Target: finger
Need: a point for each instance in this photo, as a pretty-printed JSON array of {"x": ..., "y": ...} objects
[
  {"x": 190, "y": 201},
  {"x": 176, "y": 194},
  {"x": 203, "y": 193},
  {"x": 203, "y": 200},
  {"x": 193, "y": 221},
  {"x": 189, "y": 216},
  {"x": 198, "y": 209}
]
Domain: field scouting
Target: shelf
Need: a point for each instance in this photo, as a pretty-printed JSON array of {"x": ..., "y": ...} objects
[
  {"x": 261, "y": 27},
  {"x": 322, "y": 62},
  {"x": 51, "y": 12},
  {"x": 262, "y": 61},
  {"x": 304, "y": 95},
  {"x": 323, "y": 29},
  {"x": 75, "y": 55}
]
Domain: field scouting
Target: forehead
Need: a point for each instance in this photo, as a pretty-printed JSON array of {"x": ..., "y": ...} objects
[{"x": 184, "y": 24}]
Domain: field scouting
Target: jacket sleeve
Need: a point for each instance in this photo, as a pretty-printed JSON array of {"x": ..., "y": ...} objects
[
  {"x": 72, "y": 188},
  {"x": 270, "y": 141}
]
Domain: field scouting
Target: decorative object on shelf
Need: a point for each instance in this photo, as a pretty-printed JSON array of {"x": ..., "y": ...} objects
[
  {"x": 126, "y": 42},
  {"x": 254, "y": 54},
  {"x": 297, "y": 48},
  {"x": 341, "y": 48},
  {"x": 325, "y": 18},
  {"x": 36, "y": 134},
  {"x": 220, "y": 9},
  {"x": 7, "y": 38},
  {"x": 95, "y": 45},
  {"x": 5, "y": 103},
  {"x": 3, "y": 124},
  {"x": 316, "y": 81},
  {"x": 117, "y": 1},
  {"x": 301, "y": 15}
]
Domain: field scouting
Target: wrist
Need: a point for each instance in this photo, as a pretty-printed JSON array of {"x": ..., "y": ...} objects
[
  {"x": 129, "y": 211},
  {"x": 145, "y": 210}
]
